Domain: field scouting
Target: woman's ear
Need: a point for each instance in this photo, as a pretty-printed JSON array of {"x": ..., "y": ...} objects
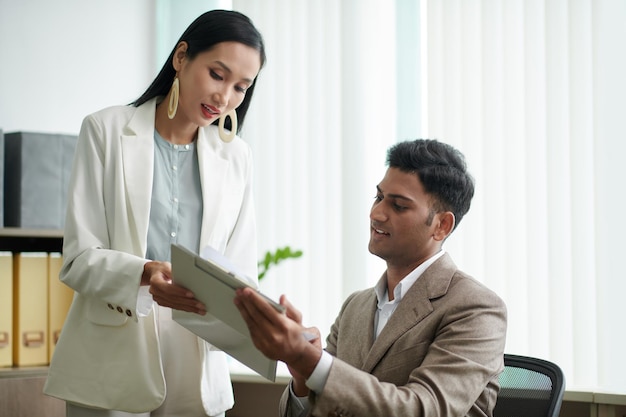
[
  {"x": 180, "y": 53},
  {"x": 445, "y": 225}
]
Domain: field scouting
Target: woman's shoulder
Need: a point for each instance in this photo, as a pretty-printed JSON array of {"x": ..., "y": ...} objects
[
  {"x": 113, "y": 112},
  {"x": 134, "y": 118}
]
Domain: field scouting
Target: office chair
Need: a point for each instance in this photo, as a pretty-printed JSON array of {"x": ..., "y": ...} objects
[{"x": 529, "y": 387}]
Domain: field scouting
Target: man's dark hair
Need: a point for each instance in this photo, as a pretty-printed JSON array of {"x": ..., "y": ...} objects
[{"x": 442, "y": 171}]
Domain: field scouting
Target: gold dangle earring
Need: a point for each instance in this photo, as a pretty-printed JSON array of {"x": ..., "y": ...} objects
[
  {"x": 173, "y": 103},
  {"x": 227, "y": 137}
]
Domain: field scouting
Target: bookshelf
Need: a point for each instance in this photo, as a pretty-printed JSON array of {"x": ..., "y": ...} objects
[
  {"x": 21, "y": 387},
  {"x": 15, "y": 239}
]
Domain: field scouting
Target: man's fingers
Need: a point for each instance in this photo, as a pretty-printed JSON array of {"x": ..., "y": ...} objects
[
  {"x": 242, "y": 306},
  {"x": 257, "y": 312},
  {"x": 291, "y": 311},
  {"x": 260, "y": 304}
]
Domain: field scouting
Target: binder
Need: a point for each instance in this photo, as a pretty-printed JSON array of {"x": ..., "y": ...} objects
[
  {"x": 30, "y": 309},
  {"x": 214, "y": 282},
  {"x": 6, "y": 309},
  {"x": 59, "y": 301}
]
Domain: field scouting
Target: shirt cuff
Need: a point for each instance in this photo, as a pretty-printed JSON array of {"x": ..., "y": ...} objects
[
  {"x": 144, "y": 301},
  {"x": 317, "y": 380},
  {"x": 298, "y": 406}
]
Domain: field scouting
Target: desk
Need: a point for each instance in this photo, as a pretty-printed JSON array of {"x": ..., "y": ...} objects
[
  {"x": 21, "y": 396},
  {"x": 593, "y": 404}
]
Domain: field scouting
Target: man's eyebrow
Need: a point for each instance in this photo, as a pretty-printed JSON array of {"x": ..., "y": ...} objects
[
  {"x": 398, "y": 196},
  {"x": 227, "y": 69}
]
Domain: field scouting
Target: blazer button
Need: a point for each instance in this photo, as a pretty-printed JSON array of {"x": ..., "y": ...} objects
[
  {"x": 129, "y": 313},
  {"x": 120, "y": 309},
  {"x": 110, "y": 306}
]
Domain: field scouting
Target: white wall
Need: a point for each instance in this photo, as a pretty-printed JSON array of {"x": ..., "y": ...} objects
[{"x": 62, "y": 60}]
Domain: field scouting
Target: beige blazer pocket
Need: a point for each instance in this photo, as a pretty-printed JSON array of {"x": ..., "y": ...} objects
[{"x": 106, "y": 314}]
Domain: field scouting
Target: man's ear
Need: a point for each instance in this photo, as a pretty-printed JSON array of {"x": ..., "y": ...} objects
[
  {"x": 445, "y": 225},
  {"x": 180, "y": 53}
]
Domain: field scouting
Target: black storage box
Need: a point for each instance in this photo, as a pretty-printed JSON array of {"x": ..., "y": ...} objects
[
  {"x": 37, "y": 168},
  {"x": 1, "y": 178}
]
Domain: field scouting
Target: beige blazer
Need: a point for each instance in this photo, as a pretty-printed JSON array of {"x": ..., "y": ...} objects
[
  {"x": 108, "y": 354},
  {"x": 440, "y": 353}
]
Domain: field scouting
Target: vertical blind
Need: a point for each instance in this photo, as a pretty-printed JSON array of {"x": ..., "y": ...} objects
[
  {"x": 321, "y": 120},
  {"x": 531, "y": 91}
]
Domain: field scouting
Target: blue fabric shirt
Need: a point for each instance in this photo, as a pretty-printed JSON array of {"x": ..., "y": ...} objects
[
  {"x": 176, "y": 217},
  {"x": 176, "y": 210}
]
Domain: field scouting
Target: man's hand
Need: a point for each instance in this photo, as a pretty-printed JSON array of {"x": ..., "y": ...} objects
[
  {"x": 158, "y": 275},
  {"x": 281, "y": 336},
  {"x": 312, "y": 334}
]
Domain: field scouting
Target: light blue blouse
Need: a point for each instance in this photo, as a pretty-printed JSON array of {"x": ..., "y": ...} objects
[
  {"x": 176, "y": 208},
  {"x": 176, "y": 217}
]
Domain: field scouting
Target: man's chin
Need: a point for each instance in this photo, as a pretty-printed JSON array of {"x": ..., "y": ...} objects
[{"x": 372, "y": 249}]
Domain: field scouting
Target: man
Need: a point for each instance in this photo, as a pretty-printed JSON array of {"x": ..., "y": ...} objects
[{"x": 427, "y": 340}]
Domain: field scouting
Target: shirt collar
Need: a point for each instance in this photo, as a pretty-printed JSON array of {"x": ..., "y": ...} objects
[{"x": 405, "y": 284}]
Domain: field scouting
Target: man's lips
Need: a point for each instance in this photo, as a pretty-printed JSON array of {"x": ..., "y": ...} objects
[{"x": 380, "y": 231}]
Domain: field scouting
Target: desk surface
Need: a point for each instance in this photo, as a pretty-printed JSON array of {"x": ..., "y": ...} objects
[{"x": 238, "y": 375}]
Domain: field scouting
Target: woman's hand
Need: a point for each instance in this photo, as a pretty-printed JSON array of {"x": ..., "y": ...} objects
[{"x": 158, "y": 275}]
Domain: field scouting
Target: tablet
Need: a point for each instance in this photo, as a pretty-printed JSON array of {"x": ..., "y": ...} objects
[{"x": 214, "y": 282}]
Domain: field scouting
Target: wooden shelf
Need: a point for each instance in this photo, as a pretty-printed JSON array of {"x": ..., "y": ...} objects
[
  {"x": 23, "y": 372},
  {"x": 15, "y": 239}
]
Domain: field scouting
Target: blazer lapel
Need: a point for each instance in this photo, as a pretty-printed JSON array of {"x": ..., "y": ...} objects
[
  {"x": 413, "y": 308},
  {"x": 212, "y": 168},
  {"x": 138, "y": 161}
]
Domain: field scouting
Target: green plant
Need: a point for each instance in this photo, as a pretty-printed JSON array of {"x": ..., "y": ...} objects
[{"x": 274, "y": 258}]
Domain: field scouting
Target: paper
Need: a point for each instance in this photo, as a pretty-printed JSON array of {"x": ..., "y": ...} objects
[{"x": 214, "y": 281}]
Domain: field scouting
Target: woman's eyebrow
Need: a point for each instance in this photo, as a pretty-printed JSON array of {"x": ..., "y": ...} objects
[{"x": 227, "y": 69}]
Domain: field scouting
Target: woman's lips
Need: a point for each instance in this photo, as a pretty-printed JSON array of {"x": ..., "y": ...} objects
[{"x": 209, "y": 112}]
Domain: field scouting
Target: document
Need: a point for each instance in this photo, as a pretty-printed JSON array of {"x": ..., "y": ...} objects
[{"x": 213, "y": 280}]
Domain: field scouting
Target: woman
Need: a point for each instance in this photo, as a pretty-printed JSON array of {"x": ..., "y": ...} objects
[{"x": 167, "y": 169}]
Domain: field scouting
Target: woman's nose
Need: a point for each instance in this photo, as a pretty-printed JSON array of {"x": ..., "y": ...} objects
[{"x": 222, "y": 97}]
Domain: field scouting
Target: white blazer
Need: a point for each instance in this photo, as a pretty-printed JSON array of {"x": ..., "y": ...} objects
[{"x": 108, "y": 356}]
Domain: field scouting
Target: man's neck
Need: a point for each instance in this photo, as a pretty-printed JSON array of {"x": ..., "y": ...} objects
[{"x": 396, "y": 273}]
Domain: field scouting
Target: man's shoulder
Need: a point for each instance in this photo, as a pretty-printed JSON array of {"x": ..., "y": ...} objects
[
  {"x": 469, "y": 288},
  {"x": 461, "y": 283},
  {"x": 360, "y": 297}
]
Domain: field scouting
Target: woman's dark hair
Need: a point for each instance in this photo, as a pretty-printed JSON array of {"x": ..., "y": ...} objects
[
  {"x": 206, "y": 31},
  {"x": 441, "y": 170}
]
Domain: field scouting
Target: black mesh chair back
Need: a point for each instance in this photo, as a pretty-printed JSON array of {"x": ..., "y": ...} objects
[{"x": 529, "y": 387}]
